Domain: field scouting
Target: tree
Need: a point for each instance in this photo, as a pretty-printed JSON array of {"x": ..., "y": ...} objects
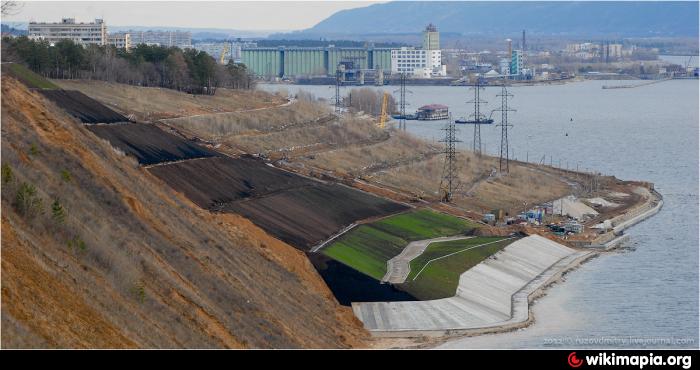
[{"x": 144, "y": 65}]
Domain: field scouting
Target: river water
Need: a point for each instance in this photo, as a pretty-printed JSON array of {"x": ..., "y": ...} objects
[{"x": 645, "y": 294}]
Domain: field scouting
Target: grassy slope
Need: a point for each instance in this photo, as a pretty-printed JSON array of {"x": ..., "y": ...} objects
[
  {"x": 30, "y": 78},
  {"x": 151, "y": 102},
  {"x": 440, "y": 278},
  {"x": 368, "y": 247},
  {"x": 134, "y": 264}
]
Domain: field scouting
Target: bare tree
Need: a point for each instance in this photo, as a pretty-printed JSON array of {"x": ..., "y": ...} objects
[{"x": 11, "y": 7}]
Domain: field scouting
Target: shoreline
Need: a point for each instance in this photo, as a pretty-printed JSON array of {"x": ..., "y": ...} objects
[{"x": 524, "y": 299}]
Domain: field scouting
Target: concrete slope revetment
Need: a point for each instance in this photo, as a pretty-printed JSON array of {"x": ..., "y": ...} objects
[{"x": 493, "y": 293}]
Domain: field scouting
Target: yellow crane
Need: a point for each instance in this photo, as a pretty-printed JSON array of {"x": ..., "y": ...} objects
[
  {"x": 383, "y": 115},
  {"x": 224, "y": 50}
]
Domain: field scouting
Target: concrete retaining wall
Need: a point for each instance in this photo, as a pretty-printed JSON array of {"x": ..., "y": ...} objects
[{"x": 493, "y": 293}]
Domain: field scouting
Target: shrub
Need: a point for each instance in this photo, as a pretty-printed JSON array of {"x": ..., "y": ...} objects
[
  {"x": 139, "y": 291},
  {"x": 7, "y": 175},
  {"x": 77, "y": 244},
  {"x": 58, "y": 213},
  {"x": 27, "y": 201},
  {"x": 66, "y": 176},
  {"x": 34, "y": 150}
]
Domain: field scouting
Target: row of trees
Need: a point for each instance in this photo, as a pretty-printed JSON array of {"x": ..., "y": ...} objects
[
  {"x": 185, "y": 70},
  {"x": 369, "y": 100}
]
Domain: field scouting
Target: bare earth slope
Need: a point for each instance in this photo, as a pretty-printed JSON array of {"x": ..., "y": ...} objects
[{"x": 134, "y": 264}]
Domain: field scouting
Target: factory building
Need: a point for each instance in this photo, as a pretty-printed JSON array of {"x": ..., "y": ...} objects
[
  {"x": 309, "y": 61},
  {"x": 80, "y": 33},
  {"x": 290, "y": 62}
]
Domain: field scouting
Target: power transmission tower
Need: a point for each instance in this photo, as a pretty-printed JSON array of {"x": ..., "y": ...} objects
[
  {"x": 402, "y": 100},
  {"x": 479, "y": 118},
  {"x": 450, "y": 180},
  {"x": 336, "y": 98},
  {"x": 503, "y": 159}
]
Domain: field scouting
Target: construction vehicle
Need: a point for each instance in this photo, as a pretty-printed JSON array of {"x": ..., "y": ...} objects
[
  {"x": 383, "y": 115},
  {"x": 224, "y": 50}
]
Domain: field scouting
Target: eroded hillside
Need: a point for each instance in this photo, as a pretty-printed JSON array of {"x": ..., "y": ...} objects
[{"x": 99, "y": 253}]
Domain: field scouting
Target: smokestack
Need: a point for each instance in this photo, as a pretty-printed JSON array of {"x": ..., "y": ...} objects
[
  {"x": 523, "y": 42},
  {"x": 510, "y": 48}
]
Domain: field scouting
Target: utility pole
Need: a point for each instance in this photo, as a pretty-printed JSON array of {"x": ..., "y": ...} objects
[
  {"x": 503, "y": 159},
  {"x": 450, "y": 179}
]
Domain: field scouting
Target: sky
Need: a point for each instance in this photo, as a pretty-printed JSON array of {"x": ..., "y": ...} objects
[{"x": 239, "y": 15}]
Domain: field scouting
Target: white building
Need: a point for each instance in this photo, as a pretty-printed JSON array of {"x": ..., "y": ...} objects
[
  {"x": 180, "y": 39},
  {"x": 120, "y": 40},
  {"x": 418, "y": 62},
  {"x": 80, "y": 33},
  {"x": 504, "y": 66},
  {"x": 421, "y": 63}
]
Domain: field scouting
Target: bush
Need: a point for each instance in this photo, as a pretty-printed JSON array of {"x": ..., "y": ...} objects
[
  {"x": 66, "y": 176},
  {"x": 58, "y": 213},
  {"x": 7, "y": 175},
  {"x": 139, "y": 291},
  {"x": 27, "y": 201},
  {"x": 77, "y": 244},
  {"x": 34, "y": 150}
]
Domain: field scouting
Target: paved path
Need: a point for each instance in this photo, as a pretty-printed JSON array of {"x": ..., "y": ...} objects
[
  {"x": 398, "y": 268},
  {"x": 287, "y": 103},
  {"x": 492, "y": 293}
]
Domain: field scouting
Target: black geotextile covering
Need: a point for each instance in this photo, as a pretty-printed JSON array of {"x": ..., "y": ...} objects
[
  {"x": 81, "y": 106},
  {"x": 149, "y": 144}
]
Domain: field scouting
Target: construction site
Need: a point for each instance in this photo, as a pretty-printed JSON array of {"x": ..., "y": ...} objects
[{"x": 417, "y": 238}]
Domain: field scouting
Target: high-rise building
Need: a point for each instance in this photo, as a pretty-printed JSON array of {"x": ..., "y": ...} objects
[
  {"x": 516, "y": 62},
  {"x": 431, "y": 38},
  {"x": 422, "y": 63},
  {"x": 80, "y": 33}
]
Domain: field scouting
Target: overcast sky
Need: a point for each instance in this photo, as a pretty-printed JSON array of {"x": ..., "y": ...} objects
[{"x": 241, "y": 15}]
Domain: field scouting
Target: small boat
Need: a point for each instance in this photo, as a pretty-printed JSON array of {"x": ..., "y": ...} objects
[{"x": 486, "y": 121}]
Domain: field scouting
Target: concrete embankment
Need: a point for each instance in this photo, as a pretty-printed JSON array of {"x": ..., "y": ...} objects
[
  {"x": 493, "y": 294},
  {"x": 651, "y": 206}
]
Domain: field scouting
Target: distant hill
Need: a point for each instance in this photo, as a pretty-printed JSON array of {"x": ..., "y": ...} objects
[
  {"x": 628, "y": 19},
  {"x": 12, "y": 31}
]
